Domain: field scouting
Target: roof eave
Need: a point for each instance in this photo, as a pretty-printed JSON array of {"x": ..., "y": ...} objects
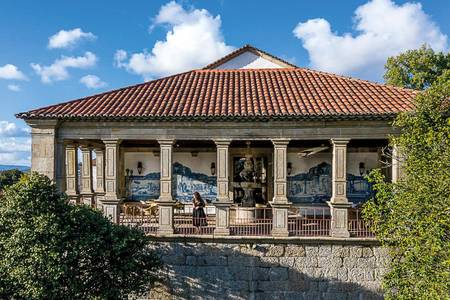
[{"x": 231, "y": 118}]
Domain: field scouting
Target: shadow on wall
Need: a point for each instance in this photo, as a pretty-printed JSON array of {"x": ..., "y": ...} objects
[{"x": 239, "y": 271}]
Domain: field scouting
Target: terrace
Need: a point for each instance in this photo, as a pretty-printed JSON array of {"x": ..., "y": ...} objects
[{"x": 239, "y": 181}]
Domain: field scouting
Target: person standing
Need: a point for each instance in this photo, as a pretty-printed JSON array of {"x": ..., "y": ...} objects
[{"x": 198, "y": 214}]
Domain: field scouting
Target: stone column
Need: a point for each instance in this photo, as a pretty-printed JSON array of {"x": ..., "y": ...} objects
[
  {"x": 99, "y": 188},
  {"x": 110, "y": 202},
  {"x": 60, "y": 162},
  {"x": 339, "y": 204},
  {"x": 280, "y": 202},
  {"x": 223, "y": 202},
  {"x": 165, "y": 201},
  {"x": 396, "y": 164},
  {"x": 86, "y": 190},
  {"x": 71, "y": 172}
]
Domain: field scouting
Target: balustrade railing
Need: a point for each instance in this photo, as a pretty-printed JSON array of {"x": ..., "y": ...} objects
[
  {"x": 251, "y": 221},
  {"x": 306, "y": 221},
  {"x": 244, "y": 221},
  {"x": 185, "y": 223},
  {"x": 142, "y": 215},
  {"x": 357, "y": 226}
]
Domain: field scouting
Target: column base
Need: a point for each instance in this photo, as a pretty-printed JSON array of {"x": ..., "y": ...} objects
[
  {"x": 112, "y": 197},
  {"x": 222, "y": 218},
  {"x": 280, "y": 218},
  {"x": 73, "y": 199},
  {"x": 98, "y": 200},
  {"x": 111, "y": 210},
  {"x": 339, "y": 219},
  {"x": 165, "y": 217},
  {"x": 87, "y": 199}
]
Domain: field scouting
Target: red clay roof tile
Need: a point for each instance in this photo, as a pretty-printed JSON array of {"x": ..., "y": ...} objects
[{"x": 244, "y": 94}]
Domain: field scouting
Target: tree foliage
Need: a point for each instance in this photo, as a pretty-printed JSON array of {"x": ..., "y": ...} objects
[
  {"x": 52, "y": 250},
  {"x": 416, "y": 69},
  {"x": 9, "y": 177},
  {"x": 412, "y": 216}
]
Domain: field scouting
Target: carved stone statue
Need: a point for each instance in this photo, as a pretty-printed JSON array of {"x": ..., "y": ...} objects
[{"x": 247, "y": 174}]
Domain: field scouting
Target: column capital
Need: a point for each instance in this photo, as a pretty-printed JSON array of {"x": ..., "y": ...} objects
[
  {"x": 340, "y": 141},
  {"x": 112, "y": 141},
  {"x": 281, "y": 141},
  {"x": 166, "y": 142},
  {"x": 222, "y": 142},
  {"x": 86, "y": 148},
  {"x": 70, "y": 143}
]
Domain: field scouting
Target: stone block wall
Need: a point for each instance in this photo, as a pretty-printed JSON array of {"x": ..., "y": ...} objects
[{"x": 261, "y": 270}]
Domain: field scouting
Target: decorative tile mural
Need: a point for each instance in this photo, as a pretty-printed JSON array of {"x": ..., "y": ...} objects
[
  {"x": 311, "y": 187},
  {"x": 315, "y": 186},
  {"x": 359, "y": 190},
  {"x": 144, "y": 187},
  {"x": 184, "y": 184}
]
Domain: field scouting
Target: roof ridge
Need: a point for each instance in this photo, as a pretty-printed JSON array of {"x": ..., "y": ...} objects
[{"x": 244, "y": 70}]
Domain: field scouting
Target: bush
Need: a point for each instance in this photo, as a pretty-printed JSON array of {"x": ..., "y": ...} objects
[
  {"x": 9, "y": 177},
  {"x": 412, "y": 216},
  {"x": 52, "y": 250}
]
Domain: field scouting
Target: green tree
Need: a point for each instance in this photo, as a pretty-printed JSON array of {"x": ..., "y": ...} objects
[
  {"x": 416, "y": 69},
  {"x": 412, "y": 216},
  {"x": 9, "y": 177},
  {"x": 52, "y": 250}
]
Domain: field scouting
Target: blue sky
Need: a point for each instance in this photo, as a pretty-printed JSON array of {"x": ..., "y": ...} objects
[{"x": 53, "y": 51}]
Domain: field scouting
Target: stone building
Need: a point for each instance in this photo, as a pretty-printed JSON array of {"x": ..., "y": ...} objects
[
  {"x": 248, "y": 132},
  {"x": 278, "y": 152}
]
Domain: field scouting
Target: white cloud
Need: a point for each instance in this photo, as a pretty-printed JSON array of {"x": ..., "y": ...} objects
[
  {"x": 11, "y": 72},
  {"x": 58, "y": 70},
  {"x": 14, "y": 87},
  {"x": 8, "y": 129},
  {"x": 69, "y": 38},
  {"x": 119, "y": 58},
  {"x": 383, "y": 29},
  {"x": 194, "y": 39},
  {"x": 92, "y": 82},
  {"x": 17, "y": 159},
  {"x": 15, "y": 144}
]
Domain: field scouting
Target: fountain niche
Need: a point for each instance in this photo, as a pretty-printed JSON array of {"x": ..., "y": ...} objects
[{"x": 249, "y": 183}]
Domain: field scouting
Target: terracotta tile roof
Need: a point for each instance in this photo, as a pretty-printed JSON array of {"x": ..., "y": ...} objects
[{"x": 244, "y": 95}]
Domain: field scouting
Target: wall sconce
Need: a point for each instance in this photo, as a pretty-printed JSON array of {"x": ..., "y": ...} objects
[
  {"x": 362, "y": 168},
  {"x": 289, "y": 168},
  {"x": 139, "y": 167},
  {"x": 213, "y": 168},
  {"x": 194, "y": 153},
  {"x": 156, "y": 153}
]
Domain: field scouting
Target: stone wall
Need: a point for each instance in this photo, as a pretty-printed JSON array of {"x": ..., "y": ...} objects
[{"x": 276, "y": 270}]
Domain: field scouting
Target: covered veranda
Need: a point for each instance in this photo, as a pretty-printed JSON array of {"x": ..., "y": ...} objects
[{"x": 149, "y": 183}]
